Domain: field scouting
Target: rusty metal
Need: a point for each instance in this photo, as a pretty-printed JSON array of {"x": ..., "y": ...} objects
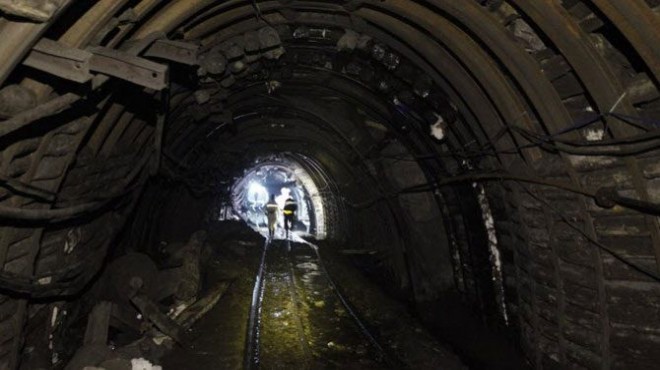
[
  {"x": 176, "y": 51},
  {"x": 129, "y": 67},
  {"x": 57, "y": 59}
]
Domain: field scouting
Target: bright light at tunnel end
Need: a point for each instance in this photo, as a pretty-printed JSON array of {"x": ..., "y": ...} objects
[
  {"x": 281, "y": 177},
  {"x": 257, "y": 192}
]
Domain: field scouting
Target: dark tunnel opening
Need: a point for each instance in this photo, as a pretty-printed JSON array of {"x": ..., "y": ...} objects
[{"x": 476, "y": 184}]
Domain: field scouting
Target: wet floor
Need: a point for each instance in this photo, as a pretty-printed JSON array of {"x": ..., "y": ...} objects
[{"x": 304, "y": 324}]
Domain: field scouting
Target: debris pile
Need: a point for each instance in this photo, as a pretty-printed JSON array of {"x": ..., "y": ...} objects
[{"x": 146, "y": 307}]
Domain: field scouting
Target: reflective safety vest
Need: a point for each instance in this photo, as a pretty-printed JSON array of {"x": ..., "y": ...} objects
[
  {"x": 271, "y": 208},
  {"x": 290, "y": 206}
]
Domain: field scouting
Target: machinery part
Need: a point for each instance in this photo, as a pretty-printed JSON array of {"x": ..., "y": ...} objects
[{"x": 124, "y": 271}]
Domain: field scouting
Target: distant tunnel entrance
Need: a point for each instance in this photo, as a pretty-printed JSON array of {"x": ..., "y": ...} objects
[{"x": 282, "y": 176}]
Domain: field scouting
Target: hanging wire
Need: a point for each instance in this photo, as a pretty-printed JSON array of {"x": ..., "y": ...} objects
[
  {"x": 632, "y": 145},
  {"x": 593, "y": 241},
  {"x": 520, "y": 180},
  {"x": 605, "y": 197}
]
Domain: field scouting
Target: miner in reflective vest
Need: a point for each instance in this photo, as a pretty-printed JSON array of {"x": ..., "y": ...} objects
[
  {"x": 290, "y": 208},
  {"x": 271, "y": 214}
]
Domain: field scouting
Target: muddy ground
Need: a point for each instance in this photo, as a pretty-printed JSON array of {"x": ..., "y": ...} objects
[{"x": 304, "y": 324}]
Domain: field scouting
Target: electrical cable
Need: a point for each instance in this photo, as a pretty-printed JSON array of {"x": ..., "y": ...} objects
[
  {"x": 647, "y": 136},
  {"x": 68, "y": 281},
  {"x": 604, "y": 197},
  {"x": 591, "y": 239},
  {"x": 544, "y": 140},
  {"x": 574, "y": 148},
  {"x": 613, "y": 147},
  {"x": 91, "y": 204},
  {"x": 73, "y": 278},
  {"x": 21, "y": 188},
  {"x": 491, "y": 176}
]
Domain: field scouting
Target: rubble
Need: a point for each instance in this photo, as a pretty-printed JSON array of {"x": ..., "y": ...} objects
[{"x": 155, "y": 306}]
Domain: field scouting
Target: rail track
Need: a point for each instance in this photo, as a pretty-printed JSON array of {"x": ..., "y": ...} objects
[{"x": 299, "y": 318}]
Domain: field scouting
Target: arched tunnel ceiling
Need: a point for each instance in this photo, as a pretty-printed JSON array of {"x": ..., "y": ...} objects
[{"x": 551, "y": 106}]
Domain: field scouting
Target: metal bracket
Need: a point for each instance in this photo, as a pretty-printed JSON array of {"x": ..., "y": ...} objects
[
  {"x": 128, "y": 67},
  {"x": 60, "y": 60},
  {"x": 76, "y": 65},
  {"x": 176, "y": 51}
]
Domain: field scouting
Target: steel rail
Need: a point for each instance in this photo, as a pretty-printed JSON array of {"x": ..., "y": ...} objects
[
  {"x": 252, "y": 343},
  {"x": 251, "y": 360},
  {"x": 389, "y": 360}
]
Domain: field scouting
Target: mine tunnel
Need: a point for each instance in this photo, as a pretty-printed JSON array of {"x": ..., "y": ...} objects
[{"x": 477, "y": 184}]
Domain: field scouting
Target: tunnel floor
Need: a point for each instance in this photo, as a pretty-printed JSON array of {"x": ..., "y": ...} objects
[
  {"x": 304, "y": 319},
  {"x": 303, "y": 322}
]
